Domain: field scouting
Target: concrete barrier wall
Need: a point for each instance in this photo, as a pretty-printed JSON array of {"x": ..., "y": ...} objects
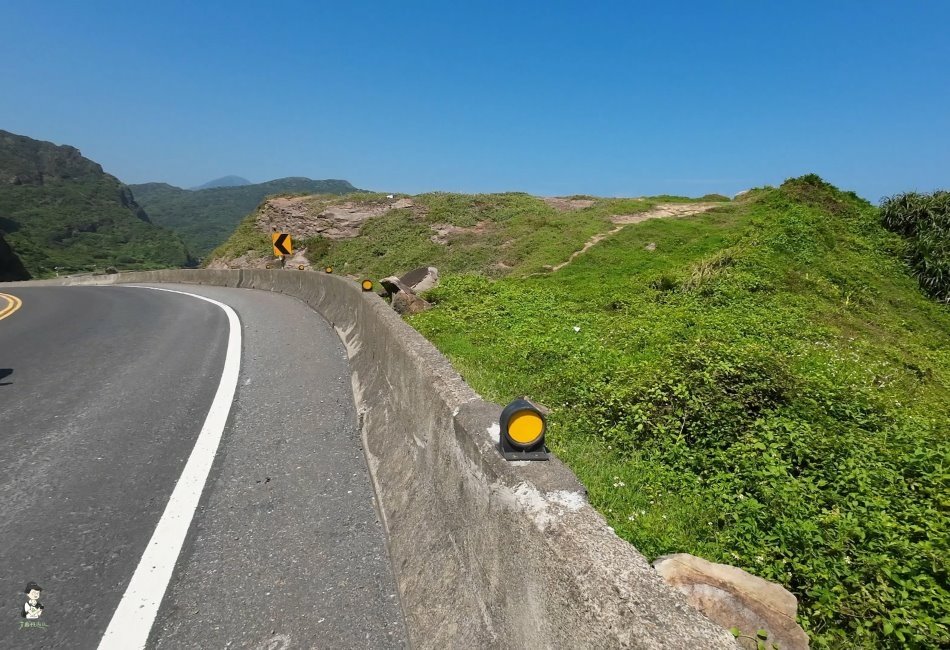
[{"x": 486, "y": 553}]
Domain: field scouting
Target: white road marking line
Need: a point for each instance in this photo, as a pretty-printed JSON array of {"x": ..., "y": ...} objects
[{"x": 135, "y": 615}]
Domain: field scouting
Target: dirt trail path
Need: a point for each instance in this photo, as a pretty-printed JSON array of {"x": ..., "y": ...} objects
[{"x": 660, "y": 211}]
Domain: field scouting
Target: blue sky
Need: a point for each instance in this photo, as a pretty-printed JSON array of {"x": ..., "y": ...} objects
[{"x": 604, "y": 98}]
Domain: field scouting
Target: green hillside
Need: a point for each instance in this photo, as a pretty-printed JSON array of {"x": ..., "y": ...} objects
[
  {"x": 59, "y": 209},
  {"x": 763, "y": 385},
  {"x": 492, "y": 234},
  {"x": 204, "y": 218}
]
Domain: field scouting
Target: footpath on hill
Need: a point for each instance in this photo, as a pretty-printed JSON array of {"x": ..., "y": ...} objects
[{"x": 658, "y": 212}]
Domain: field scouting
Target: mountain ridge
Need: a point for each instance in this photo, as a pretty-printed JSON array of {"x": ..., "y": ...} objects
[{"x": 61, "y": 211}]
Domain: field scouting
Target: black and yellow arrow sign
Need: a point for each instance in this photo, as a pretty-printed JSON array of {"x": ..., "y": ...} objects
[{"x": 282, "y": 244}]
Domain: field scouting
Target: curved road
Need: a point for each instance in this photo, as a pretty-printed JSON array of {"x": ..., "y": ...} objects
[{"x": 103, "y": 393}]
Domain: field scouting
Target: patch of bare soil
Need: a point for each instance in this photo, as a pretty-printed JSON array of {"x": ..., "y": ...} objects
[
  {"x": 567, "y": 205},
  {"x": 445, "y": 232},
  {"x": 664, "y": 210}
]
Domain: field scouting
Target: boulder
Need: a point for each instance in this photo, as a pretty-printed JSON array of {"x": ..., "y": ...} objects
[
  {"x": 732, "y": 597},
  {"x": 406, "y": 302},
  {"x": 421, "y": 279},
  {"x": 404, "y": 299}
]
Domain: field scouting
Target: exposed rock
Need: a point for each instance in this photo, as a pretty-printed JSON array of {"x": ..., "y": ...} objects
[
  {"x": 308, "y": 216},
  {"x": 568, "y": 205},
  {"x": 404, "y": 300},
  {"x": 446, "y": 232},
  {"x": 651, "y": 246},
  {"x": 421, "y": 279},
  {"x": 298, "y": 261},
  {"x": 732, "y": 597},
  {"x": 302, "y": 217}
]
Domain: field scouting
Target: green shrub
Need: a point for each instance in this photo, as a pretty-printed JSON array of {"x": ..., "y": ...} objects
[{"x": 924, "y": 221}]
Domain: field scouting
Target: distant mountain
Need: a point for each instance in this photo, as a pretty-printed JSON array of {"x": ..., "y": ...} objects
[
  {"x": 206, "y": 218},
  {"x": 224, "y": 181},
  {"x": 60, "y": 211}
]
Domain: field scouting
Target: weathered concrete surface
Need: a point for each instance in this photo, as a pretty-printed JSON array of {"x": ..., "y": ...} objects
[
  {"x": 421, "y": 279},
  {"x": 735, "y": 598},
  {"x": 486, "y": 553}
]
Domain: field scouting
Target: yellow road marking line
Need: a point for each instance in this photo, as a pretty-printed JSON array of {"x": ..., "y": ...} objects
[{"x": 13, "y": 303}]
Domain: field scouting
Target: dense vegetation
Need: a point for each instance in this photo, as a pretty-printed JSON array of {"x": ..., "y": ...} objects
[
  {"x": 204, "y": 218},
  {"x": 924, "y": 221},
  {"x": 58, "y": 210},
  {"x": 766, "y": 388}
]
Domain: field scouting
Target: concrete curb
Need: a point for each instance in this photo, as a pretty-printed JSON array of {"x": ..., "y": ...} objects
[{"x": 486, "y": 553}]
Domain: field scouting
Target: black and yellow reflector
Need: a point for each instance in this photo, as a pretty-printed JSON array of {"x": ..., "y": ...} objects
[
  {"x": 328, "y": 269},
  {"x": 367, "y": 285},
  {"x": 522, "y": 431},
  {"x": 300, "y": 267}
]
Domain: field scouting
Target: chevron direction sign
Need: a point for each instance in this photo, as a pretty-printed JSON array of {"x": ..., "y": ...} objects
[{"x": 282, "y": 244}]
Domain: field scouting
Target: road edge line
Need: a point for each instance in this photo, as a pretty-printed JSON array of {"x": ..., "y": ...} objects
[{"x": 132, "y": 620}]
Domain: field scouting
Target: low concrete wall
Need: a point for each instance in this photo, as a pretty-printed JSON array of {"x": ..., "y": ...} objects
[{"x": 486, "y": 553}]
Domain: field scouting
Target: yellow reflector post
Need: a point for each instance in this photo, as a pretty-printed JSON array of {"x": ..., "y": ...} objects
[
  {"x": 522, "y": 431},
  {"x": 525, "y": 427},
  {"x": 329, "y": 269},
  {"x": 367, "y": 285}
]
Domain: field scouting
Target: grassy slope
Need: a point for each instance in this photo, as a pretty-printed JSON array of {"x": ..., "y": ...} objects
[
  {"x": 205, "y": 218},
  {"x": 517, "y": 231},
  {"x": 768, "y": 388}
]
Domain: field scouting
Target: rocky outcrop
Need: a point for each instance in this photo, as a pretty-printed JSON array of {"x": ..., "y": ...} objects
[
  {"x": 309, "y": 216},
  {"x": 128, "y": 201},
  {"x": 732, "y": 598}
]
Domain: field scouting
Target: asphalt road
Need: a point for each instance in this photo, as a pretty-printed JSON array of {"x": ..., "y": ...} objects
[{"x": 103, "y": 392}]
